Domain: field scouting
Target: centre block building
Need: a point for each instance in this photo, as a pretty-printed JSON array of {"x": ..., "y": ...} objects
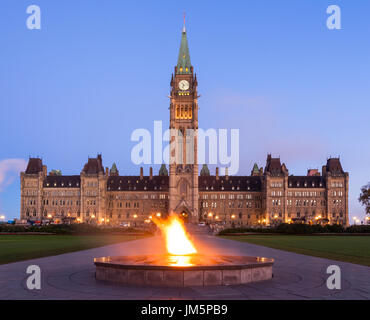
[{"x": 270, "y": 195}]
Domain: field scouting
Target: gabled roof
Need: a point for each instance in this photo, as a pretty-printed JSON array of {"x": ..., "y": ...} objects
[
  {"x": 334, "y": 166},
  {"x": 94, "y": 165},
  {"x": 273, "y": 165},
  {"x": 34, "y": 166}
]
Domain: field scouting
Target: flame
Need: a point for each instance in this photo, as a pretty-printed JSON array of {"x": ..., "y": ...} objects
[{"x": 178, "y": 243}]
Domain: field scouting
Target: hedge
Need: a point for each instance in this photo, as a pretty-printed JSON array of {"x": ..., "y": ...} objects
[{"x": 285, "y": 228}]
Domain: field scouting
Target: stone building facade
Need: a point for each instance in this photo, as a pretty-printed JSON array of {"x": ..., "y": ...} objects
[{"x": 270, "y": 195}]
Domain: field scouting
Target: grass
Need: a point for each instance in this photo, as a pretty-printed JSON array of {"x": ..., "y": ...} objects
[
  {"x": 354, "y": 249},
  {"x": 23, "y": 247}
]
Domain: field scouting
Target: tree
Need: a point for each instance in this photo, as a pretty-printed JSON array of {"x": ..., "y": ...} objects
[{"x": 365, "y": 197}]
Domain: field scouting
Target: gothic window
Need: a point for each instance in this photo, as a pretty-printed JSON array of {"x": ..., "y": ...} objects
[
  {"x": 185, "y": 112},
  {"x": 183, "y": 188}
]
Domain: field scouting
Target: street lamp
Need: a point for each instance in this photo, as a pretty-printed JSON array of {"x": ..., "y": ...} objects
[
  {"x": 2, "y": 217},
  {"x": 354, "y": 218}
]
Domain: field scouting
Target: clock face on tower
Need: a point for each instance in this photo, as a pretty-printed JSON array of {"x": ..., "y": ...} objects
[{"x": 183, "y": 85}]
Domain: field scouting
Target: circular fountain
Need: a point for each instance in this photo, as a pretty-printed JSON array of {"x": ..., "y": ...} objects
[
  {"x": 183, "y": 271},
  {"x": 182, "y": 266}
]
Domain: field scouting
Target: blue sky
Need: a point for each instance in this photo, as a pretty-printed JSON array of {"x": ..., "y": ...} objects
[{"x": 98, "y": 70}]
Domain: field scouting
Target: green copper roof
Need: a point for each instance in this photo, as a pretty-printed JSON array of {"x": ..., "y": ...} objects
[
  {"x": 255, "y": 168},
  {"x": 163, "y": 170},
  {"x": 183, "y": 62},
  {"x": 204, "y": 171},
  {"x": 114, "y": 168}
]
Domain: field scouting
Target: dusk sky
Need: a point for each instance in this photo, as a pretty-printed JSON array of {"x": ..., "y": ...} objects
[{"x": 97, "y": 70}]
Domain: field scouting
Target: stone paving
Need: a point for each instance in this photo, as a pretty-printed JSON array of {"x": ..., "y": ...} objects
[{"x": 71, "y": 276}]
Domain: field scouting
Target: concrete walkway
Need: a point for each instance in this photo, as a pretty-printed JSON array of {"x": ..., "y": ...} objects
[{"x": 71, "y": 276}]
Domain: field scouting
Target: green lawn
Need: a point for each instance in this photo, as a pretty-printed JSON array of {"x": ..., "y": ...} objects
[
  {"x": 23, "y": 247},
  {"x": 355, "y": 249}
]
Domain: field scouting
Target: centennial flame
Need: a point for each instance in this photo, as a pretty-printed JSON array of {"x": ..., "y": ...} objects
[{"x": 178, "y": 244}]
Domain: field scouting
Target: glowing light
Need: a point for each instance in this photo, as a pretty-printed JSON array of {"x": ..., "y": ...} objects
[
  {"x": 216, "y": 217},
  {"x": 49, "y": 215},
  {"x": 150, "y": 217},
  {"x": 135, "y": 216},
  {"x": 275, "y": 216},
  {"x": 210, "y": 215},
  {"x": 233, "y": 216},
  {"x": 158, "y": 214},
  {"x": 177, "y": 240},
  {"x": 93, "y": 216},
  {"x": 180, "y": 261}
]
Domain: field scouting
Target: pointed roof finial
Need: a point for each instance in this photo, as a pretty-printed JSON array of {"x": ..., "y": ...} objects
[
  {"x": 183, "y": 28},
  {"x": 183, "y": 61}
]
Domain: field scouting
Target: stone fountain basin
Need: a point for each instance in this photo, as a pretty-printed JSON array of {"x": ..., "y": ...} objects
[{"x": 183, "y": 271}]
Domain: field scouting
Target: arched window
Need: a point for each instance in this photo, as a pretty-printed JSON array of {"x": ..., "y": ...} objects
[
  {"x": 185, "y": 112},
  {"x": 178, "y": 115},
  {"x": 190, "y": 113}
]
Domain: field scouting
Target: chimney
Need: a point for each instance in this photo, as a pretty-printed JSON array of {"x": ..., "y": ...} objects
[
  {"x": 106, "y": 171},
  {"x": 227, "y": 173},
  {"x": 150, "y": 173},
  {"x": 45, "y": 170},
  {"x": 141, "y": 173},
  {"x": 217, "y": 177}
]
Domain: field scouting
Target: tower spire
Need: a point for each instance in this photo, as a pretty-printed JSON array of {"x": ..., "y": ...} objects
[
  {"x": 183, "y": 61},
  {"x": 183, "y": 28}
]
